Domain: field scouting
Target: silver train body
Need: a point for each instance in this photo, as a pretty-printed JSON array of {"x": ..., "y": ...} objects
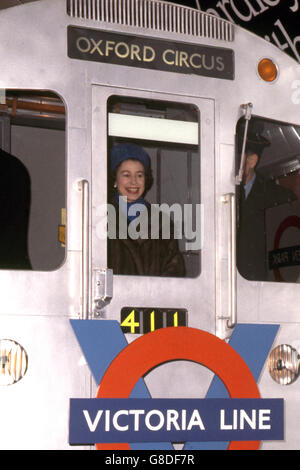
[{"x": 70, "y": 281}]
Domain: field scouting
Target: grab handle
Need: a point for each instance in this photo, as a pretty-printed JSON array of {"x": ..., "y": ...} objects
[
  {"x": 83, "y": 186},
  {"x": 232, "y": 300},
  {"x": 248, "y": 112}
]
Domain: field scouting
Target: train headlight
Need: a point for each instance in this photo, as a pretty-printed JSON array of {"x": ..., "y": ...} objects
[
  {"x": 13, "y": 362},
  {"x": 284, "y": 364},
  {"x": 267, "y": 70}
]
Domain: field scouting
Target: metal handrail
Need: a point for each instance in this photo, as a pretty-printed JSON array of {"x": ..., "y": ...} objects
[
  {"x": 248, "y": 111},
  {"x": 232, "y": 300},
  {"x": 85, "y": 254}
]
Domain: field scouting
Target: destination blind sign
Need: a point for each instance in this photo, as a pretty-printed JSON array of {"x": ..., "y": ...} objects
[{"x": 148, "y": 53}]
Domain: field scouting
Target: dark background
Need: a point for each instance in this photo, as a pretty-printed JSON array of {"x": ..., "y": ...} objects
[{"x": 275, "y": 20}]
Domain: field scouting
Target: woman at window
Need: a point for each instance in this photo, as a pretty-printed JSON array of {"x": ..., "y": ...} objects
[{"x": 134, "y": 250}]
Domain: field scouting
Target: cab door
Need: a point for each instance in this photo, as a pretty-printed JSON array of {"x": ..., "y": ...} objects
[{"x": 178, "y": 135}]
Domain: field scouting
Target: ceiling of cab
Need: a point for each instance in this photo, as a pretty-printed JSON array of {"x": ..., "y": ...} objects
[{"x": 281, "y": 154}]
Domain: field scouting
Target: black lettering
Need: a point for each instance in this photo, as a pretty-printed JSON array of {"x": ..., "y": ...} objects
[{"x": 296, "y": 255}]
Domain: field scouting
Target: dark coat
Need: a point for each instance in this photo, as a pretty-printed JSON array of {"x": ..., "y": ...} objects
[
  {"x": 148, "y": 257},
  {"x": 251, "y": 234},
  {"x": 14, "y": 213}
]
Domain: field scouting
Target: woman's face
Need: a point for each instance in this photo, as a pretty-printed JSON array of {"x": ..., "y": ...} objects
[{"x": 130, "y": 179}]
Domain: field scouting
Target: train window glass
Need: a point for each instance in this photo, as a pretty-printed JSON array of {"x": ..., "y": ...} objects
[
  {"x": 154, "y": 188},
  {"x": 32, "y": 195},
  {"x": 268, "y": 212}
]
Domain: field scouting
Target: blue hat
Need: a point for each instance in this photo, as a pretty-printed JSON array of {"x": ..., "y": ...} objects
[{"x": 120, "y": 153}]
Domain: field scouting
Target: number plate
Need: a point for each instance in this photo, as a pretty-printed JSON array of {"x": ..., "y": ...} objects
[{"x": 139, "y": 320}]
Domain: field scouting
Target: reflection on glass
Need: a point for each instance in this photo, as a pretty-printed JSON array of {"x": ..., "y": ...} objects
[
  {"x": 268, "y": 239},
  {"x": 154, "y": 181},
  {"x": 32, "y": 194}
]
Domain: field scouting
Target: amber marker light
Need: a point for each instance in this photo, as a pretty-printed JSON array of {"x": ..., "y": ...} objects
[{"x": 267, "y": 70}]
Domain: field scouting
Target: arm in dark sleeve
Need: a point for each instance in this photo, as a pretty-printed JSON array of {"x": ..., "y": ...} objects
[{"x": 173, "y": 263}]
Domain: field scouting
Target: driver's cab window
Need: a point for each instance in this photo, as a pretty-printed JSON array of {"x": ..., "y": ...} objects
[
  {"x": 32, "y": 194},
  {"x": 268, "y": 215},
  {"x": 154, "y": 216}
]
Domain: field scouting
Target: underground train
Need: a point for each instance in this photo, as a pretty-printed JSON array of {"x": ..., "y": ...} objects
[{"x": 93, "y": 358}]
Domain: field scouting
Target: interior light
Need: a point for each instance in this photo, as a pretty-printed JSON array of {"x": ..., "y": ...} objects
[
  {"x": 149, "y": 128},
  {"x": 13, "y": 362},
  {"x": 284, "y": 364},
  {"x": 267, "y": 70}
]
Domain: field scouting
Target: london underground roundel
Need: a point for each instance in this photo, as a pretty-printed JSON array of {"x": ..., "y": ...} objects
[
  {"x": 291, "y": 221},
  {"x": 171, "y": 344}
]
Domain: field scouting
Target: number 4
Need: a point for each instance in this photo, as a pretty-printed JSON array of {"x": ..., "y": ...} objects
[{"x": 130, "y": 322}]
